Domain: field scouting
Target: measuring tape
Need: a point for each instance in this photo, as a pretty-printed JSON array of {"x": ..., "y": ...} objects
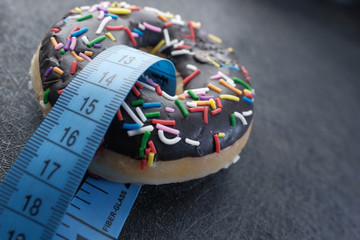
[{"x": 42, "y": 182}]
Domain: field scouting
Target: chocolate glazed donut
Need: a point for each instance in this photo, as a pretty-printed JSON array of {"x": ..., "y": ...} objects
[{"x": 190, "y": 135}]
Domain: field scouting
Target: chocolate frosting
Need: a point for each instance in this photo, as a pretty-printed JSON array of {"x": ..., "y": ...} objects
[{"x": 192, "y": 126}]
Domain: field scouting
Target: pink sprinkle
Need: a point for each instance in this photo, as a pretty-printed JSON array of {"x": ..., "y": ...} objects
[
  {"x": 169, "y": 109},
  {"x": 134, "y": 34},
  {"x": 93, "y": 8},
  {"x": 167, "y": 129},
  {"x": 59, "y": 46},
  {"x": 73, "y": 44},
  {"x": 101, "y": 15},
  {"x": 87, "y": 58},
  {"x": 217, "y": 76},
  {"x": 152, "y": 27},
  {"x": 197, "y": 93}
]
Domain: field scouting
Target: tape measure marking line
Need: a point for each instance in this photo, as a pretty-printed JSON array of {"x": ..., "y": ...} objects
[{"x": 84, "y": 116}]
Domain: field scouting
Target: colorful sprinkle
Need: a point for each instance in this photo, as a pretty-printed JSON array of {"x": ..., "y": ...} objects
[
  {"x": 59, "y": 46},
  {"x": 158, "y": 90},
  {"x": 139, "y": 85},
  {"x": 49, "y": 71},
  {"x": 55, "y": 30},
  {"x": 132, "y": 114},
  {"x": 139, "y": 131},
  {"x": 84, "y": 56},
  {"x": 46, "y": 96},
  {"x": 248, "y": 100},
  {"x": 129, "y": 126},
  {"x": 145, "y": 139},
  {"x": 193, "y": 95},
  {"x": 143, "y": 164},
  {"x": 217, "y": 143},
  {"x": 115, "y": 28},
  {"x": 215, "y": 88},
  {"x": 232, "y": 120},
  {"x": 162, "y": 17},
  {"x": 111, "y": 36},
  {"x": 216, "y": 111},
  {"x": 101, "y": 15},
  {"x": 151, "y": 104},
  {"x": 79, "y": 32},
  {"x": 192, "y": 142},
  {"x": 102, "y": 25},
  {"x": 76, "y": 28},
  {"x": 96, "y": 40},
  {"x": 237, "y": 91},
  {"x": 152, "y": 27},
  {"x": 132, "y": 39},
  {"x": 58, "y": 70},
  {"x": 206, "y": 115},
  {"x": 229, "y": 97},
  {"x": 192, "y": 31},
  {"x": 191, "y": 76},
  {"x": 67, "y": 44},
  {"x": 135, "y": 91},
  {"x": 158, "y": 46},
  {"x": 242, "y": 82},
  {"x": 119, "y": 115},
  {"x": 163, "y": 122},
  {"x": 182, "y": 108},
  {"x": 53, "y": 41},
  {"x": 122, "y": 11},
  {"x": 221, "y": 134},
  {"x": 169, "y": 109},
  {"x": 84, "y": 17},
  {"x": 150, "y": 161},
  {"x": 97, "y": 45},
  {"x": 152, "y": 114},
  {"x": 213, "y": 61},
  {"x": 140, "y": 33},
  {"x": 152, "y": 146},
  {"x": 166, "y": 140},
  {"x": 167, "y": 129},
  {"x": 73, "y": 44},
  {"x": 243, "y": 69},
  {"x": 62, "y": 51},
  {"x": 80, "y": 59},
  {"x": 212, "y": 103},
  {"x": 241, "y": 117},
  {"x": 215, "y": 38},
  {"x": 218, "y": 102},
  {"x": 111, "y": 15},
  {"x": 168, "y": 24},
  {"x": 137, "y": 102},
  {"x": 73, "y": 67}
]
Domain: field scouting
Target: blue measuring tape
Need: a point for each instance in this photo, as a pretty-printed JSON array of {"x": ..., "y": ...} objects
[{"x": 36, "y": 193}]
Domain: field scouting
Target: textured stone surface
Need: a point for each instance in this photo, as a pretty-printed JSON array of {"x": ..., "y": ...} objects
[{"x": 298, "y": 178}]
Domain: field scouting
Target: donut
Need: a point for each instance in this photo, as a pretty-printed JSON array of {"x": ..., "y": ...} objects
[{"x": 194, "y": 133}]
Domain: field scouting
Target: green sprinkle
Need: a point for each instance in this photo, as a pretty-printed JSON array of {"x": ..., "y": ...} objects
[
  {"x": 152, "y": 114},
  {"x": 96, "y": 40},
  {"x": 242, "y": 82},
  {"x": 233, "y": 120},
  {"x": 193, "y": 95},
  {"x": 46, "y": 95},
  {"x": 182, "y": 108},
  {"x": 141, "y": 152},
  {"x": 145, "y": 139},
  {"x": 62, "y": 51},
  {"x": 84, "y": 17},
  {"x": 137, "y": 102}
]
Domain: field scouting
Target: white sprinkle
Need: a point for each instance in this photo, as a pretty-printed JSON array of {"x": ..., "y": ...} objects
[
  {"x": 140, "y": 130},
  {"x": 167, "y": 96},
  {"x": 142, "y": 27},
  {"x": 172, "y": 42},
  {"x": 177, "y": 20},
  {"x": 241, "y": 117},
  {"x": 191, "y": 67},
  {"x": 85, "y": 39},
  {"x": 141, "y": 114},
  {"x": 124, "y": 5},
  {"x": 85, "y": 8},
  {"x": 166, "y": 140},
  {"x": 132, "y": 114},
  {"x": 237, "y": 158},
  {"x": 247, "y": 113},
  {"x": 192, "y": 142},
  {"x": 102, "y": 24},
  {"x": 44, "y": 106},
  {"x": 154, "y": 10},
  {"x": 179, "y": 43},
  {"x": 196, "y": 90},
  {"x": 169, "y": 109},
  {"x": 191, "y": 104},
  {"x": 147, "y": 86},
  {"x": 181, "y": 52},
  {"x": 167, "y": 37},
  {"x": 74, "y": 16},
  {"x": 227, "y": 79}
]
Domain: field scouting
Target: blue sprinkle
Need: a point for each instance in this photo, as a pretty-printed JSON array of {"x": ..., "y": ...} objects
[
  {"x": 65, "y": 20},
  {"x": 248, "y": 100},
  {"x": 131, "y": 126},
  {"x": 230, "y": 66},
  {"x": 79, "y": 32},
  {"x": 152, "y": 104},
  {"x": 111, "y": 15},
  {"x": 138, "y": 31}
]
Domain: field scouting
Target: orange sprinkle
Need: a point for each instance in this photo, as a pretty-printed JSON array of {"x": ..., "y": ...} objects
[
  {"x": 202, "y": 103},
  {"x": 88, "y": 53},
  {"x": 213, "y": 87},
  {"x": 238, "y": 91},
  {"x": 53, "y": 41},
  {"x": 80, "y": 59},
  {"x": 58, "y": 70},
  {"x": 162, "y": 17},
  {"x": 182, "y": 97}
]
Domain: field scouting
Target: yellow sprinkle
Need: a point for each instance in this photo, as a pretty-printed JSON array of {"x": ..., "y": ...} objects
[
  {"x": 53, "y": 41},
  {"x": 229, "y": 97},
  {"x": 158, "y": 46},
  {"x": 114, "y": 4},
  {"x": 212, "y": 61},
  {"x": 78, "y": 10},
  {"x": 88, "y": 53},
  {"x": 247, "y": 91},
  {"x": 221, "y": 134},
  {"x": 212, "y": 103},
  {"x": 110, "y": 36},
  {"x": 170, "y": 16},
  {"x": 230, "y": 49},
  {"x": 215, "y": 88},
  {"x": 80, "y": 59},
  {"x": 150, "y": 161},
  {"x": 58, "y": 70},
  {"x": 162, "y": 17},
  {"x": 215, "y": 38},
  {"x": 119, "y": 10}
]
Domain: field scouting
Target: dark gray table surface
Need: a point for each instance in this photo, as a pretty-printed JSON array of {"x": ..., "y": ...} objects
[{"x": 298, "y": 177}]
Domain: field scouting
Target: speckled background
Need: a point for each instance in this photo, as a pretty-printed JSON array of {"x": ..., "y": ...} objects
[{"x": 298, "y": 177}]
